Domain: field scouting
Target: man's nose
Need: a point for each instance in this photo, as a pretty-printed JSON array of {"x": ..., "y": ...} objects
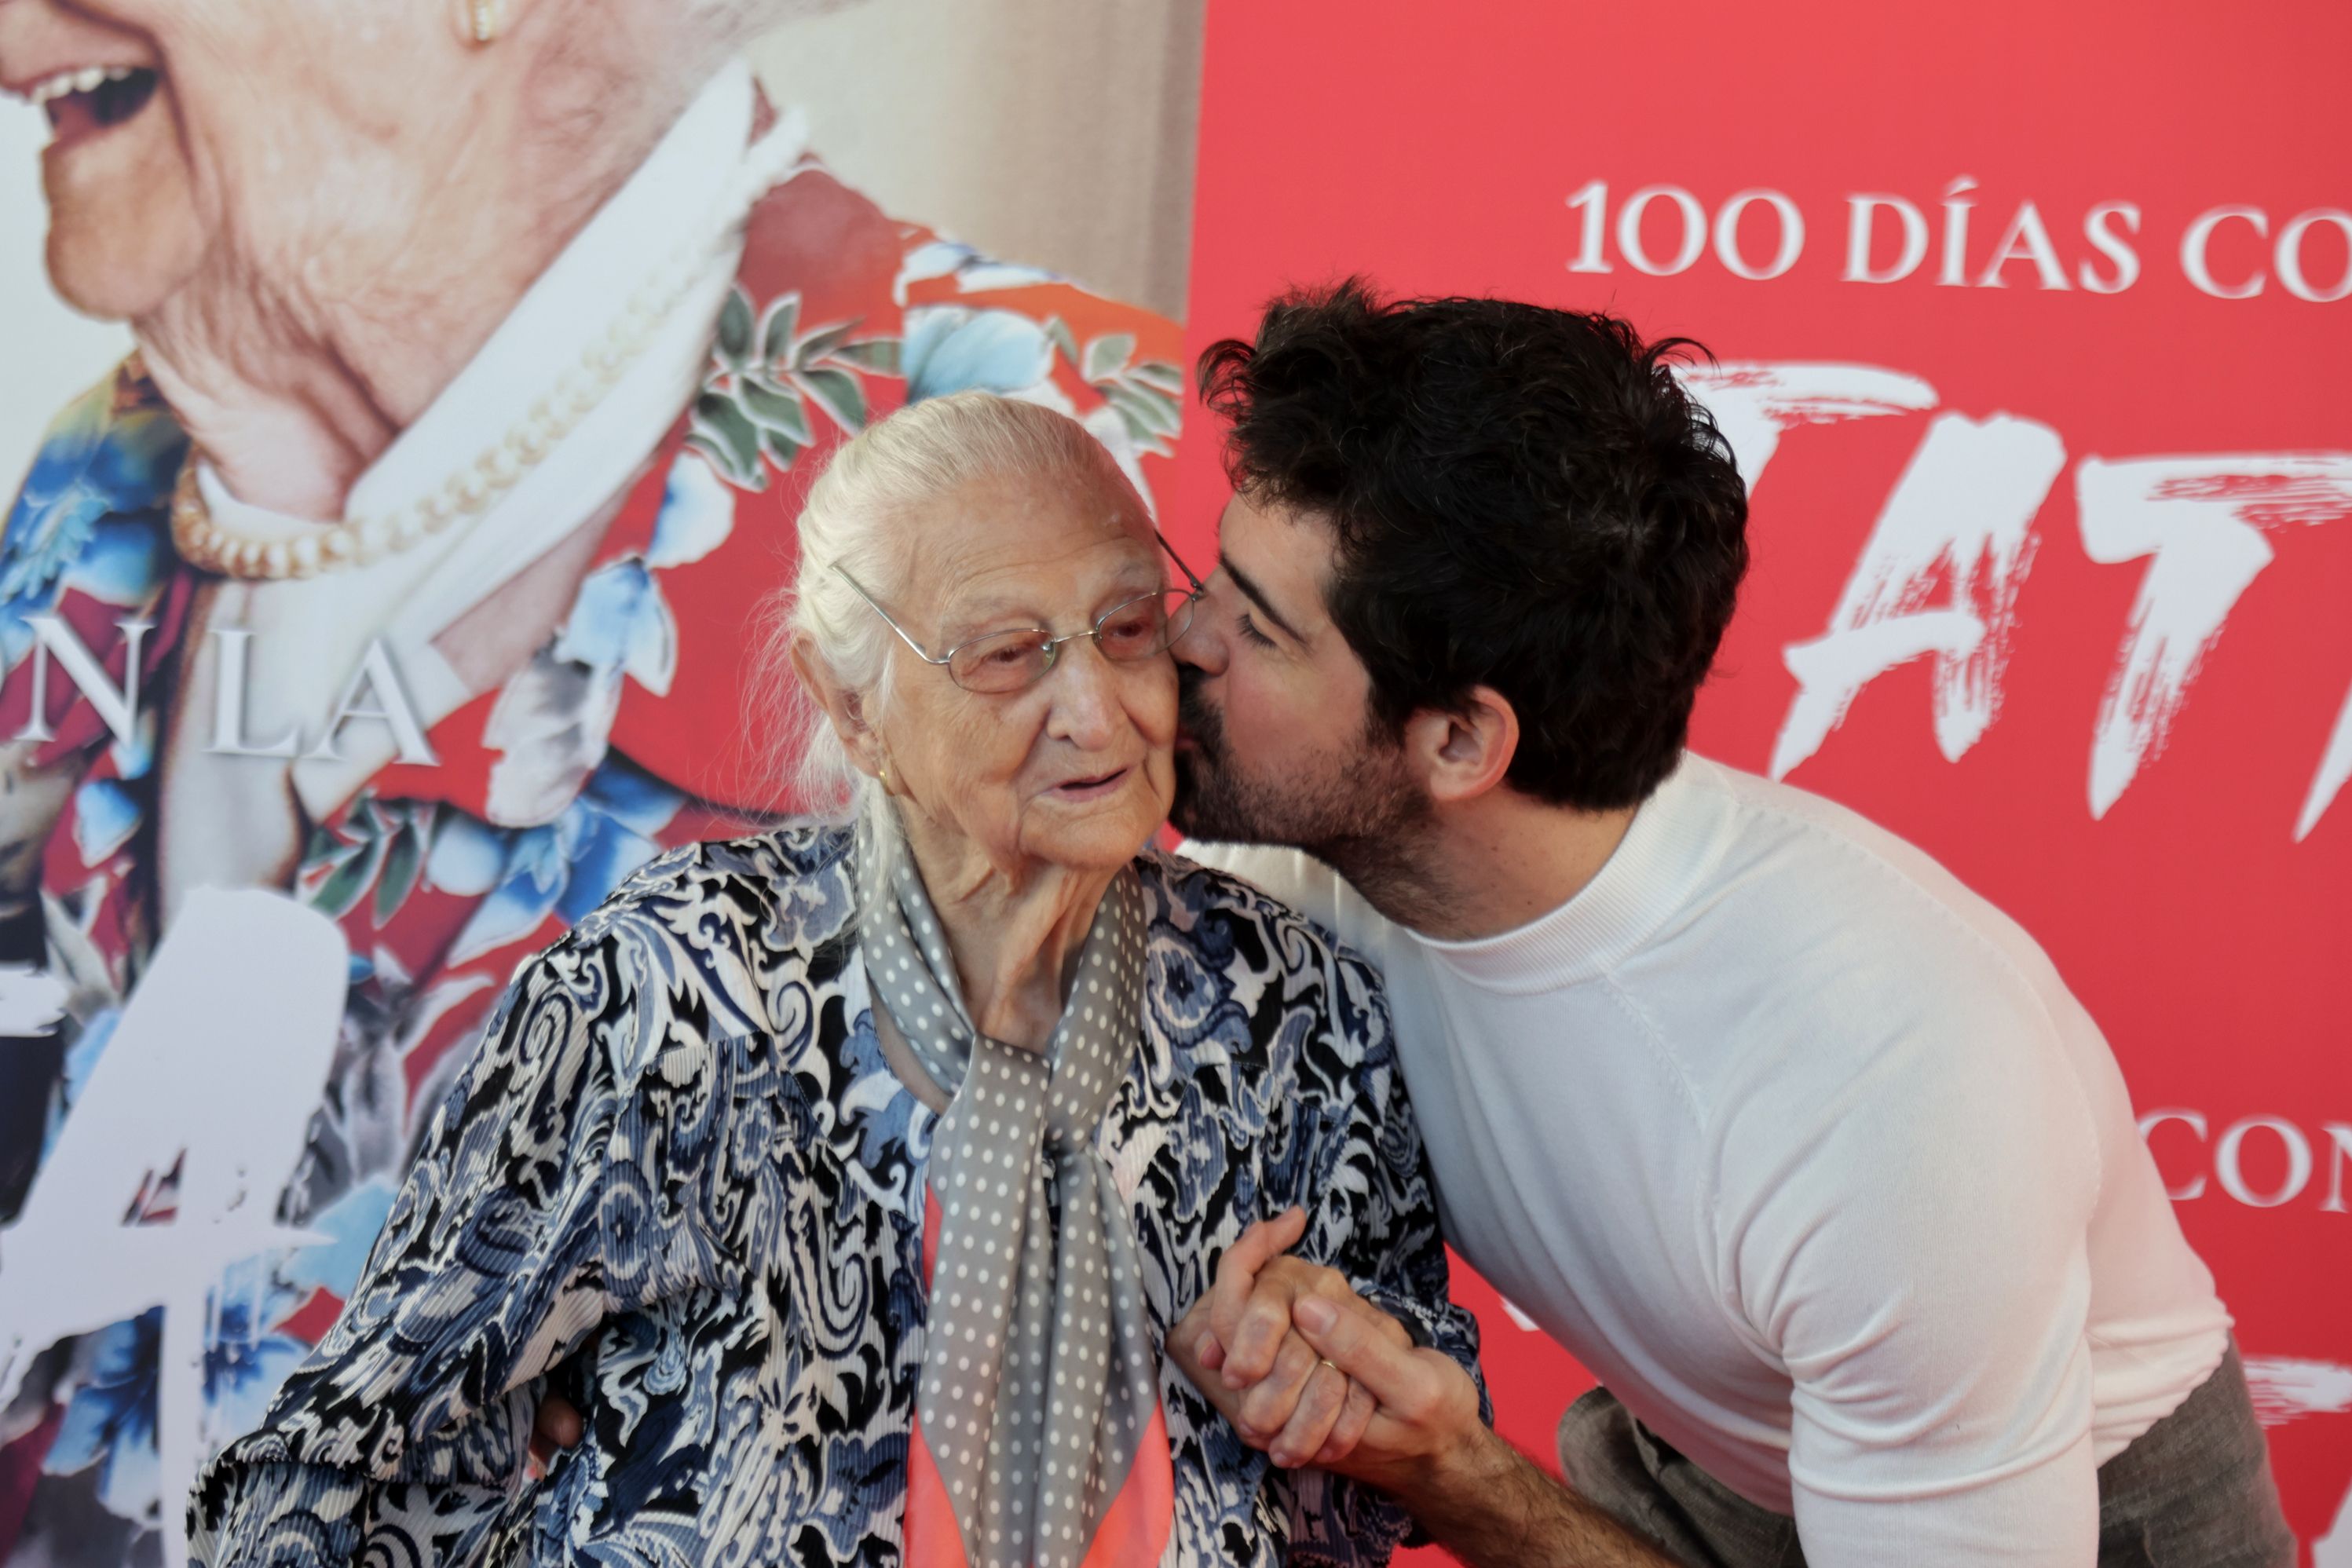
[{"x": 1200, "y": 646}]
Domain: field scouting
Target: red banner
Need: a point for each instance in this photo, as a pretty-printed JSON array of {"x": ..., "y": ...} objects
[{"x": 2032, "y": 325}]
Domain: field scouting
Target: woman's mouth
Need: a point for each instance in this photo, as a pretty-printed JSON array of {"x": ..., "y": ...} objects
[
  {"x": 83, "y": 103},
  {"x": 1093, "y": 788}
]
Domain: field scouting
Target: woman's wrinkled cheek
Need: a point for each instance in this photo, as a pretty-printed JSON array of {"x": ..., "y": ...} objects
[
  {"x": 1153, "y": 709},
  {"x": 971, "y": 753}
]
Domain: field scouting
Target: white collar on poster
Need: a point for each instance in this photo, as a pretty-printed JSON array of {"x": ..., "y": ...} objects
[{"x": 700, "y": 181}]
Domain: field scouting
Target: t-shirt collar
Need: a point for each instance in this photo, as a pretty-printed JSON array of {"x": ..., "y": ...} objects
[{"x": 1675, "y": 837}]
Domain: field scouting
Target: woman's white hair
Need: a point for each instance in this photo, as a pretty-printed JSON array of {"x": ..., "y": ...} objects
[{"x": 858, "y": 519}]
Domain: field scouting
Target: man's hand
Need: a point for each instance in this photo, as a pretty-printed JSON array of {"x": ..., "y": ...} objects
[
  {"x": 1475, "y": 1493},
  {"x": 1241, "y": 1346},
  {"x": 1425, "y": 1423},
  {"x": 1277, "y": 1343},
  {"x": 1278, "y": 1395}
]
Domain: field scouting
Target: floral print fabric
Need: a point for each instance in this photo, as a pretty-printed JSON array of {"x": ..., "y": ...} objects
[{"x": 680, "y": 1148}]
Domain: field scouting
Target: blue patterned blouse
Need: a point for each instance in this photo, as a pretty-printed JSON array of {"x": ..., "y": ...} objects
[{"x": 679, "y": 1152}]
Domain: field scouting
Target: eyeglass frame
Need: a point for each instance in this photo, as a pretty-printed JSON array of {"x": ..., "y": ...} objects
[{"x": 1053, "y": 641}]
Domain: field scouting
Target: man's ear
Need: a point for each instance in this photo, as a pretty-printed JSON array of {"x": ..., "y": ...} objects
[
  {"x": 844, "y": 708},
  {"x": 1464, "y": 752}
]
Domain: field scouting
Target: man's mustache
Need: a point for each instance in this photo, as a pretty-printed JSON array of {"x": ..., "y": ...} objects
[{"x": 1199, "y": 722}]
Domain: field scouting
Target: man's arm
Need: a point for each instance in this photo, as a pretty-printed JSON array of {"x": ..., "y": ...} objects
[{"x": 1476, "y": 1495}]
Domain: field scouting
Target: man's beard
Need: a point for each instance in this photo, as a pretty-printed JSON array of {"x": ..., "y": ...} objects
[{"x": 1358, "y": 810}]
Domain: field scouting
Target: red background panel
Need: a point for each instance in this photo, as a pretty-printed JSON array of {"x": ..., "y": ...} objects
[{"x": 1434, "y": 149}]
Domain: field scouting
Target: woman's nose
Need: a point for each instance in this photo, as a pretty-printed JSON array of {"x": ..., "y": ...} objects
[{"x": 1083, "y": 685}]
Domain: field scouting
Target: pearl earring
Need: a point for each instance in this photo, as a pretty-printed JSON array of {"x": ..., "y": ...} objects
[{"x": 484, "y": 16}]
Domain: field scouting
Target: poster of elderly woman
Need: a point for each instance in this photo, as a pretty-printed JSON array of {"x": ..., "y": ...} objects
[{"x": 383, "y": 603}]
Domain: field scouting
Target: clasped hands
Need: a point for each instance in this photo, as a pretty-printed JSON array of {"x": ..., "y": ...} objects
[{"x": 1311, "y": 1373}]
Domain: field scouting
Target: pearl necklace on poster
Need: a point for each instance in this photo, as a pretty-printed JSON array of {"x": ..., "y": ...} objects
[{"x": 473, "y": 489}]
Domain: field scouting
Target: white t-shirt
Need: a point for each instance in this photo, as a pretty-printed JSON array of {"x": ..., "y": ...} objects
[{"x": 1808, "y": 1154}]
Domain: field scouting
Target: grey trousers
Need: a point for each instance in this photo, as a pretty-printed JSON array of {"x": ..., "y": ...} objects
[{"x": 2194, "y": 1492}]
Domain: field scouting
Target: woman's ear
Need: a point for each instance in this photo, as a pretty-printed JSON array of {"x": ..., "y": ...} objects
[
  {"x": 1463, "y": 753},
  {"x": 844, "y": 708}
]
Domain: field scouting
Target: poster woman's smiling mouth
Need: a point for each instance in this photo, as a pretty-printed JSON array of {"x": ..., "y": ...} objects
[{"x": 82, "y": 101}]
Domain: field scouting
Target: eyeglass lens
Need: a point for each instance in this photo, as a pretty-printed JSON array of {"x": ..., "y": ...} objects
[{"x": 1008, "y": 661}]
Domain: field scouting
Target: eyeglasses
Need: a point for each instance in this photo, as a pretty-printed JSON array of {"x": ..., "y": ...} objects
[{"x": 1003, "y": 662}]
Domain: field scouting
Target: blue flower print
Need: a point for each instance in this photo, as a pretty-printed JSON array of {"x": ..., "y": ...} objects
[
  {"x": 621, "y": 622},
  {"x": 951, "y": 348},
  {"x": 245, "y": 1361},
  {"x": 105, "y": 816},
  {"x": 571, "y": 865},
  {"x": 90, "y": 512},
  {"x": 110, "y": 1420},
  {"x": 698, "y": 513},
  {"x": 1189, "y": 997}
]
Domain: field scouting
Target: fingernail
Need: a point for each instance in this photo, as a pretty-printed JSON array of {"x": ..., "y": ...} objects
[
  {"x": 1281, "y": 1457},
  {"x": 1316, "y": 1315}
]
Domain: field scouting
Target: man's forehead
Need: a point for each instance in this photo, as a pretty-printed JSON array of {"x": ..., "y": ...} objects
[{"x": 1286, "y": 552}]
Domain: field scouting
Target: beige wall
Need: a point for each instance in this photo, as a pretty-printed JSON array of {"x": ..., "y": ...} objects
[{"x": 1054, "y": 132}]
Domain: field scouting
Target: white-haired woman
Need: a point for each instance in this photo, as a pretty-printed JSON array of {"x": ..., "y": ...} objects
[{"x": 871, "y": 1163}]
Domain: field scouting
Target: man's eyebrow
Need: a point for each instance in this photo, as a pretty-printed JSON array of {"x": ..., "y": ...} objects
[{"x": 1256, "y": 596}]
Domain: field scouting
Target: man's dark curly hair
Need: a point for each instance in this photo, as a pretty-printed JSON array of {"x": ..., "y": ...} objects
[{"x": 1524, "y": 499}]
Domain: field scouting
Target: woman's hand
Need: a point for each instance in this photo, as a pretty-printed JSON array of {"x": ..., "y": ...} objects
[{"x": 556, "y": 1427}]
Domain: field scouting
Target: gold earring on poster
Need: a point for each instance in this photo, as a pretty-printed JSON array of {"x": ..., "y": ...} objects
[{"x": 483, "y": 20}]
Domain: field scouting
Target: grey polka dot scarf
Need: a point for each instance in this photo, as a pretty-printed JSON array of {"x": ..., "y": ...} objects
[{"x": 1039, "y": 1379}]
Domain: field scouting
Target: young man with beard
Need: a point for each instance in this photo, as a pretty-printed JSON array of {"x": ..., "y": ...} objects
[{"x": 1801, "y": 1147}]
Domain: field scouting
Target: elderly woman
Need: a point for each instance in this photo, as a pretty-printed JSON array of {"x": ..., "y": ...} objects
[
  {"x": 487, "y": 349},
  {"x": 871, "y": 1164}
]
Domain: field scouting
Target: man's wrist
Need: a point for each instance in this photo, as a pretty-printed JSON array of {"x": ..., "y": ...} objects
[
  {"x": 1474, "y": 1459},
  {"x": 1440, "y": 1481}
]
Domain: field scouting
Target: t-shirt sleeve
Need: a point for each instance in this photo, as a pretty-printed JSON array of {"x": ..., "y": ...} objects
[{"x": 1918, "y": 1257}]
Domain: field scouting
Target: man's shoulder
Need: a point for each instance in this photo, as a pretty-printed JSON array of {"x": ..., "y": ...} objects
[
  {"x": 1799, "y": 871},
  {"x": 1190, "y": 892},
  {"x": 1187, "y": 882},
  {"x": 1826, "y": 961},
  {"x": 1292, "y": 880}
]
